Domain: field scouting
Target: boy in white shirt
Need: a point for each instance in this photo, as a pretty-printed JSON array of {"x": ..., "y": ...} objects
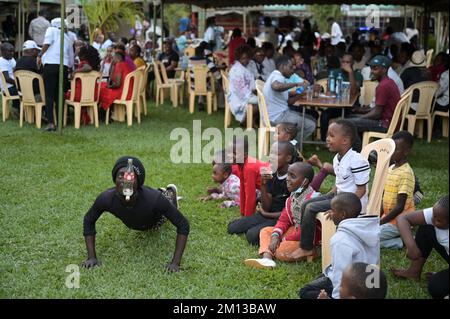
[
  {"x": 7, "y": 65},
  {"x": 352, "y": 175},
  {"x": 432, "y": 233}
]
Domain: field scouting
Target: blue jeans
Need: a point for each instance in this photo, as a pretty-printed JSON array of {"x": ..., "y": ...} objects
[{"x": 390, "y": 236}]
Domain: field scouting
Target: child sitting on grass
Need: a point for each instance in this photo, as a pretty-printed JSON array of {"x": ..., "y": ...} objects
[
  {"x": 274, "y": 193},
  {"x": 249, "y": 175},
  {"x": 222, "y": 156},
  {"x": 355, "y": 279},
  {"x": 286, "y": 131},
  {"x": 356, "y": 240},
  {"x": 279, "y": 241},
  {"x": 398, "y": 197},
  {"x": 432, "y": 233},
  {"x": 352, "y": 175},
  {"x": 229, "y": 186}
]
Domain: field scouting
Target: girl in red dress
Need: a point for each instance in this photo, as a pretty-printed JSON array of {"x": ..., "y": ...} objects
[{"x": 113, "y": 89}]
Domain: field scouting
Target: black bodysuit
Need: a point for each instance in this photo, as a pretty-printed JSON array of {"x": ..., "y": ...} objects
[{"x": 145, "y": 213}]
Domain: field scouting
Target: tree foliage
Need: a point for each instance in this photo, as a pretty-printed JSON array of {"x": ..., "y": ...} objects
[
  {"x": 107, "y": 14},
  {"x": 320, "y": 13}
]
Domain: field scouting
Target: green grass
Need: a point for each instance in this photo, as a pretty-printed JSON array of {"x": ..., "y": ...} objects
[{"x": 48, "y": 182}]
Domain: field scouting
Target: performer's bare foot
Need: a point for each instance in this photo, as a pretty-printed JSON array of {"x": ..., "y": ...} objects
[{"x": 406, "y": 274}]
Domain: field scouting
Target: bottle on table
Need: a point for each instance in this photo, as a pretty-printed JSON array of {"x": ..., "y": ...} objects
[
  {"x": 338, "y": 88},
  {"x": 331, "y": 82},
  {"x": 128, "y": 181}
]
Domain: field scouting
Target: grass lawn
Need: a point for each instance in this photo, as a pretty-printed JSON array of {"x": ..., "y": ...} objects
[{"x": 54, "y": 179}]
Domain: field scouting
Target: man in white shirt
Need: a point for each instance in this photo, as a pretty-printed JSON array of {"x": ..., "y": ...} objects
[
  {"x": 50, "y": 57},
  {"x": 37, "y": 29},
  {"x": 7, "y": 65},
  {"x": 110, "y": 41},
  {"x": 278, "y": 96},
  {"x": 336, "y": 32},
  {"x": 210, "y": 33},
  {"x": 268, "y": 62}
]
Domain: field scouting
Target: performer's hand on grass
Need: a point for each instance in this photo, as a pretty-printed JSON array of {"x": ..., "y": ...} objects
[
  {"x": 91, "y": 262},
  {"x": 171, "y": 267}
]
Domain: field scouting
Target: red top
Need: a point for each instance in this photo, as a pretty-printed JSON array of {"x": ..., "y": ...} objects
[
  {"x": 108, "y": 95},
  {"x": 286, "y": 221},
  {"x": 234, "y": 43},
  {"x": 387, "y": 96},
  {"x": 250, "y": 178},
  {"x": 436, "y": 72}
]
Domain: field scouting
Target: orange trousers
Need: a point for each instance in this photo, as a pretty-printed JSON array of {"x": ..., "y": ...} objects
[{"x": 284, "y": 249}]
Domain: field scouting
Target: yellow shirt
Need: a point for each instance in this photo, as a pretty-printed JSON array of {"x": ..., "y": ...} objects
[
  {"x": 139, "y": 62},
  {"x": 400, "y": 180}
]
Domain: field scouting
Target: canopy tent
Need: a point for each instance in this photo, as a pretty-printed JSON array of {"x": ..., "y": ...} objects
[{"x": 439, "y": 5}]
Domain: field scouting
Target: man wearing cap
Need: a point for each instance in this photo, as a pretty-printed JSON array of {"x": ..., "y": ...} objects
[
  {"x": 415, "y": 72},
  {"x": 7, "y": 65},
  {"x": 28, "y": 61},
  {"x": 146, "y": 209},
  {"x": 387, "y": 95}
]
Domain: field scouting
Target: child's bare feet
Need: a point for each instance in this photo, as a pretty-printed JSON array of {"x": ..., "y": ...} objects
[
  {"x": 315, "y": 161},
  {"x": 406, "y": 273},
  {"x": 301, "y": 254}
]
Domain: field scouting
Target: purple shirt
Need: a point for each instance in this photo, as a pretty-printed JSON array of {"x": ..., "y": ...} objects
[{"x": 130, "y": 62}]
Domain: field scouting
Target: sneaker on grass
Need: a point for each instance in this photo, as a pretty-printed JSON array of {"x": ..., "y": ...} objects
[{"x": 262, "y": 263}]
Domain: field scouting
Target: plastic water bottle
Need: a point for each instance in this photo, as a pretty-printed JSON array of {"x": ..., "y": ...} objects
[
  {"x": 339, "y": 81},
  {"x": 331, "y": 82},
  {"x": 128, "y": 182}
]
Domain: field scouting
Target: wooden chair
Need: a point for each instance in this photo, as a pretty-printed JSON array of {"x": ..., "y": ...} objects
[
  {"x": 397, "y": 122},
  {"x": 384, "y": 148},
  {"x": 176, "y": 83},
  {"x": 6, "y": 98},
  {"x": 427, "y": 91},
  {"x": 265, "y": 128},
  {"x": 143, "y": 89},
  {"x": 444, "y": 116},
  {"x": 131, "y": 83},
  {"x": 28, "y": 103},
  {"x": 90, "y": 84},
  {"x": 367, "y": 92},
  {"x": 199, "y": 87},
  {"x": 228, "y": 115},
  {"x": 429, "y": 57},
  {"x": 160, "y": 85}
]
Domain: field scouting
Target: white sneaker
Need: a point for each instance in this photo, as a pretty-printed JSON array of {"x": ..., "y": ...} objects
[{"x": 262, "y": 263}]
